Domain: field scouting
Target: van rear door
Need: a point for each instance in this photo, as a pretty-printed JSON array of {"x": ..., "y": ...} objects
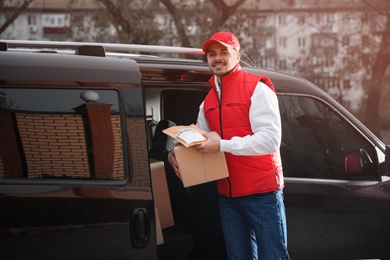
[{"x": 74, "y": 169}]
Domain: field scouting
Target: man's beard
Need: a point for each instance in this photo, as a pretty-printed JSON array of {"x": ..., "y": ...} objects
[
  {"x": 221, "y": 71},
  {"x": 218, "y": 67}
]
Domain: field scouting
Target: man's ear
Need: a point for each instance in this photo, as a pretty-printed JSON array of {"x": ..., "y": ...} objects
[{"x": 238, "y": 57}]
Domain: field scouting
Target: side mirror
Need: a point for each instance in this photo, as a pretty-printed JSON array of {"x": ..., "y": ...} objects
[{"x": 357, "y": 162}]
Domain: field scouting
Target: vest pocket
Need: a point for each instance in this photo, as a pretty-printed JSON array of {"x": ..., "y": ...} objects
[
  {"x": 239, "y": 104},
  {"x": 209, "y": 110}
]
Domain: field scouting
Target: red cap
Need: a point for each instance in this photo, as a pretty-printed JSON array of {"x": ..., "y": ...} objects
[{"x": 225, "y": 38}]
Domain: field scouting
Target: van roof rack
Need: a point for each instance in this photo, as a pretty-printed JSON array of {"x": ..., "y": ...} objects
[{"x": 89, "y": 47}]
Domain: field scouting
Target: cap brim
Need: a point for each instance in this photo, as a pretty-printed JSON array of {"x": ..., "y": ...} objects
[{"x": 207, "y": 44}]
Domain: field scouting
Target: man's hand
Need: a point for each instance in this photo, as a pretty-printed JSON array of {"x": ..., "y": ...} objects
[
  {"x": 211, "y": 145},
  {"x": 172, "y": 160}
]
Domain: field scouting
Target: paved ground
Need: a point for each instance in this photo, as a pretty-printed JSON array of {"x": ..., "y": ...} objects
[
  {"x": 323, "y": 235},
  {"x": 327, "y": 235}
]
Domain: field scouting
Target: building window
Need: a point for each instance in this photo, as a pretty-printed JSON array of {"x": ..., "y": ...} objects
[
  {"x": 365, "y": 41},
  {"x": 282, "y": 64},
  {"x": 346, "y": 84},
  {"x": 345, "y": 40},
  {"x": 322, "y": 18},
  {"x": 301, "y": 19},
  {"x": 282, "y": 42},
  {"x": 282, "y": 19},
  {"x": 301, "y": 42},
  {"x": 319, "y": 17},
  {"x": 329, "y": 61},
  {"x": 260, "y": 20},
  {"x": 60, "y": 21},
  {"x": 31, "y": 20},
  {"x": 55, "y": 20},
  {"x": 329, "y": 17},
  {"x": 324, "y": 40}
]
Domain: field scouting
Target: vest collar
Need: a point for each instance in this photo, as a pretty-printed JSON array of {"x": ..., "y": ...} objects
[{"x": 227, "y": 77}]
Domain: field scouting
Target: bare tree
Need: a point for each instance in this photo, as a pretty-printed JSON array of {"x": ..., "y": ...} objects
[
  {"x": 177, "y": 18},
  {"x": 208, "y": 16},
  {"x": 133, "y": 20},
  {"x": 366, "y": 58},
  {"x": 18, "y": 10},
  {"x": 377, "y": 75},
  {"x": 224, "y": 11},
  {"x": 118, "y": 19}
]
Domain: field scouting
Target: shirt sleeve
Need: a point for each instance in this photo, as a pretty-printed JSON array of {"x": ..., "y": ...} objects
[
  {"x": 202, "y": 122},
  {"x": 265, "y": 122}
]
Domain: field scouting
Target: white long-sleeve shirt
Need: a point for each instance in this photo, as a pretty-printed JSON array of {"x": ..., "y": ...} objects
[{"x": 265, "y": 123}]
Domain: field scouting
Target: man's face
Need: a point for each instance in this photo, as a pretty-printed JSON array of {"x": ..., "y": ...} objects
[{"x": 221, "y": 59}]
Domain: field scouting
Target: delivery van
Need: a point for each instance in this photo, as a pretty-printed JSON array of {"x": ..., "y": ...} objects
[{"x": 84, "y": 171}]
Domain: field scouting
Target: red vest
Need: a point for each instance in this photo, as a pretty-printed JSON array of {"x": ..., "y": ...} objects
[{"x": 230, "y": 117}]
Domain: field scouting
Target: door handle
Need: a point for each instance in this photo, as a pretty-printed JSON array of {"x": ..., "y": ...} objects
[{"x": 140, "y": 227}]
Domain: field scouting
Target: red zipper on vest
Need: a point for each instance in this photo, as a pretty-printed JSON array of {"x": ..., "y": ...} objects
[{"x": 221, "y": 129}]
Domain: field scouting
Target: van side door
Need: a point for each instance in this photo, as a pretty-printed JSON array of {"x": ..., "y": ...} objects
[{"x": 74, "y": 169}]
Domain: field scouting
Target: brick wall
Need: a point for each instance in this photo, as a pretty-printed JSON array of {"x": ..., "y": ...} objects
[
  {"x": 138, "y": 151},
  {"x": 100, "y": 138},
  {"x": 9, "y": 151},
  {"x": 55, "y": 144}
]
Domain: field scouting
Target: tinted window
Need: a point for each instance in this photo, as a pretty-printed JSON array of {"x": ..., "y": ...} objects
[
  {"x": 60, "y": 134},
  {"x": 182, "y": 106},
  {"x": 316, "y": 140}
]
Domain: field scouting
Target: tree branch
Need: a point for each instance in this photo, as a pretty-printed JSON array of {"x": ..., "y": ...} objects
[
  {"x": 180, "y": 29},
  {"x": 117, "y": 15},
  {"x": 225, "y": 11},
  {"x": 15, "y": 15}
]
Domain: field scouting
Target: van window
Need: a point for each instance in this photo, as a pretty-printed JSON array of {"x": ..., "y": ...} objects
[
  {"x": 316, "y": 140},
  {"x": 73, "y": 134},
  {"x": 182, "y": 106}
]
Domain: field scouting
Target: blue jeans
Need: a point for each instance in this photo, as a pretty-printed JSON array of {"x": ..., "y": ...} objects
[{"x": 254, "y": 226}]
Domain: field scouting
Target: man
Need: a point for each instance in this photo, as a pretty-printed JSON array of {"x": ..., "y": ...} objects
[{"x": 241, "y": 116}]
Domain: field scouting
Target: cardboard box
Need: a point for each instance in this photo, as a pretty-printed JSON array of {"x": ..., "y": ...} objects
[
  {"x": 161, "y": 197},
  {"x": 197, "y": 168},
  {"x": 159, "y": 234}
]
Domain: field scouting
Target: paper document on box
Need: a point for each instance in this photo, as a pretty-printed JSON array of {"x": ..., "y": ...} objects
[
  {"x": 190, "y": 135},
  {"x": 196, "y": 168},
  {"x": 187, "y": 135}
]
